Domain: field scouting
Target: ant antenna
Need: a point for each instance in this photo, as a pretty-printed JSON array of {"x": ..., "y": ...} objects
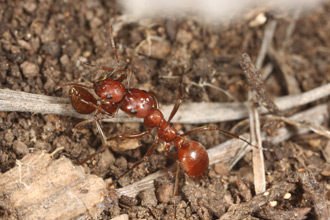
[
  {"x": 128, "y": 77},
  {"x": 113, "y": 44}
]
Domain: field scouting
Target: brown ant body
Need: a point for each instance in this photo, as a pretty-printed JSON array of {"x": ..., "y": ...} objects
[{"x": 191, "y": 155}]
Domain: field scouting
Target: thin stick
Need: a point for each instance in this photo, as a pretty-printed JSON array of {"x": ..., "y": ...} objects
[
  {"x": 258, "y": 156},
  {"x": 233, "y": 150},
  {"x": 189, "y": 113},
  {"x": 266, "y": 41}
]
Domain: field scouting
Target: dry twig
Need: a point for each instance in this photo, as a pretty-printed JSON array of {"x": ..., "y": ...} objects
[
  {"x": 188, "y": 113},
  {"x": 258, "y": 156},
  {"x": 256, "y": 83}
]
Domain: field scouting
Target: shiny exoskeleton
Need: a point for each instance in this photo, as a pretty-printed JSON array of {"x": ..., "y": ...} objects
[
  {"x": 113, "y": 96},
  {"x": 191, "y": 155}
]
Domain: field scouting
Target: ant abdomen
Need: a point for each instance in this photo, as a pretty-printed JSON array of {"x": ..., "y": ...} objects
[
  {"x": 78, "y": 94},
  {"x": 193, "y": 159}
]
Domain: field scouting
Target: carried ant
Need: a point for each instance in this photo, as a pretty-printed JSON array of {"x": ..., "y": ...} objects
[{"x": 190, "y": 155}]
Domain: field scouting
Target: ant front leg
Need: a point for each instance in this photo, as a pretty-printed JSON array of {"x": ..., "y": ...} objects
[
  {"x": 154, "y": 97},
  {"x": 177, "y": 103}
]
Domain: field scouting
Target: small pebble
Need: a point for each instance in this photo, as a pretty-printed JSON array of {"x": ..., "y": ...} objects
[
  {"x": 9, "y": 137},
  {"x": 129, "y": 144},
  {"x": 184, "y": 36},
  {"x": 30, "y": 6},
  {"x": 222, "y": 168},
  {"x": 148, "y": 198},
  {"x": 51, "y": 48},
  {"x": 287, "y": 196},
  {"x": 157, "y": 49},
  {"x": 29, "y": 69},
  {"x": 164, "y": 192},
  {"x": 20, "y": 148},
  {"x": 106, "y": 159},
  {"x": 273, "y": 203},
  {"x": 26, "y": 45}
]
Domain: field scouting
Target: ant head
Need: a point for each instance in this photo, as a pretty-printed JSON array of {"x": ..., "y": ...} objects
[{"x": 110, "y": 90}]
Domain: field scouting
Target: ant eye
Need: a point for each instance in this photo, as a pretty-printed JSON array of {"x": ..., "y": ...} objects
[
  {"x": 109, "y": 96},
  {"x": 133, "y": 111}
]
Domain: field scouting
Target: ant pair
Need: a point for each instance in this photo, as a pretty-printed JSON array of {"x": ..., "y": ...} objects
[{"x": 190, "y": 155}]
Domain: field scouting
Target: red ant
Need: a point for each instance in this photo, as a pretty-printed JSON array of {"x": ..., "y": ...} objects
[{"x": 191, "y": 155}]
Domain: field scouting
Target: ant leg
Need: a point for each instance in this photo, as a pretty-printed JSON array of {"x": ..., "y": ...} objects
[
  {"x": 76, "y": 127},
  {"x": 100, "y": 110},
  {"x": 130, "y": 136},
  {"x": 104, "y": 142},
  {"x": 177, "y": 104},
  {"x": 100, "y": 130},
  {"x": 154, "y": 97},
  {"x": 111, "y": 70},
  {"x": 177, "y": 177},
  {"x": 168, "y": 153},
  {"x": 75, "y": 84},
  {"x": 175, "y": 158},
  {"x": 123, "y": 75},
  {"x": 209, "y": 128},
  {"x": 144, "y": 158}
]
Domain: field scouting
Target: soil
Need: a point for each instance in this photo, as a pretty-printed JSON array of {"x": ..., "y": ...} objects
[{"x": 41, "y": 42}]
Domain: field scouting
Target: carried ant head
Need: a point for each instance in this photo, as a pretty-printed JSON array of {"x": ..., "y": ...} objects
[{"x": 110, "y": 90}]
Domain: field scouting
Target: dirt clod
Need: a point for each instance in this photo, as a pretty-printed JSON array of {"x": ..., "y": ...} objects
[
  {"x": 20, "y": 148},
  {"x": 148, "y": 198},
  {"x": 164, "y": 192},
  {"x": 29, "y": 69}
]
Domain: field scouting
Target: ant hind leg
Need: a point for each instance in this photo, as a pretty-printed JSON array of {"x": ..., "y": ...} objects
[{"x": 143, "y": 159}]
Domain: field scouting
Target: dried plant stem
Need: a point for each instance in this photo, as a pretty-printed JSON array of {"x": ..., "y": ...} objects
[
  {"x": 258, "y": 156},
  {"x": 266, "y": 41},
  {"x": 189, "y": 113}
]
